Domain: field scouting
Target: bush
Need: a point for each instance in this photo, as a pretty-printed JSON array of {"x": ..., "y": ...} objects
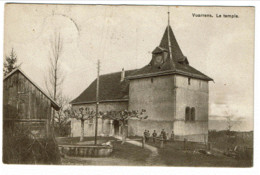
[
  {"x": 24, "y": 148},
  {"x": 62, "y": 131}
]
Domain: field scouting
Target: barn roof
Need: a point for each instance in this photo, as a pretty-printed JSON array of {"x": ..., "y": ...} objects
[
  {"x": 110, "y": 89},
  {"x": 53, "y": 103},
  {"x": 176, "y": 64}
]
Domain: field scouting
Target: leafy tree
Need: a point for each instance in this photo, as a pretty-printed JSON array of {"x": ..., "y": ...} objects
[
  {"x": 82, "y": 115},
  {"x": 123, "y": 117},
  {"x": 10, "y": 62}
]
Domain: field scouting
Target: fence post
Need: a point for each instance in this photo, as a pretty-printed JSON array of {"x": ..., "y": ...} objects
[
  {"x": 208, "y": 146},
  {"x": 161, "y": 142},
  {"x": 184, "y": 143},
  {"x": 143, "y": 142}
]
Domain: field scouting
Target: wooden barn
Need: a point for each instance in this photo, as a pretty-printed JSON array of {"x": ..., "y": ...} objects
[{"x": 26, "y": 105}]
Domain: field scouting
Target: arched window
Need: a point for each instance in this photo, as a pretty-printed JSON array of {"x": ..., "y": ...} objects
[
  {"x": 192, "y": 114},
  {"x": 187, "y": 114}
]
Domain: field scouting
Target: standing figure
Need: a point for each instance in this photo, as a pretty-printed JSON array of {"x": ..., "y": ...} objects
[
  {"x": 145, "y": 137},
  {"x": 163, "y": 133},
  {"x": 172, "y": 136},
  {"x": 148, "y": 135},
  {"x": 154, "y": 136},
  {"x": 161, "y": 140}
]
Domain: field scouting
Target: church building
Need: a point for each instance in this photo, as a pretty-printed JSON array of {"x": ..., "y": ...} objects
[{"x": 174, "y": 94}]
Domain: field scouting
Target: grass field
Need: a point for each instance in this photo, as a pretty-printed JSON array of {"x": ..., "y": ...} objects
[
  {"x": 224, "y": 139},
  {"x": 173, "y": 153}
]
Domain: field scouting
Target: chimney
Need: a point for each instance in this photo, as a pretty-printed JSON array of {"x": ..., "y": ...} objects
[{"x": 122, "y": 75}]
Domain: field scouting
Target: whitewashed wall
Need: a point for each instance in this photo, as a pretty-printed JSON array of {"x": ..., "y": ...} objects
[{"x": 194, "y": 95}]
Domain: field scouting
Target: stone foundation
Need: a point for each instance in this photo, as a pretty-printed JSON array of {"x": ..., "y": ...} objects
[{"x": 85, "y": 151}]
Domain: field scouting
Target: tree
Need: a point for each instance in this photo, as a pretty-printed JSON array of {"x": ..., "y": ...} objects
[
  {"x": 229, "y": 126},
  {"x": 61, "y": 119},
  {"x": 82, "y": 115},
  {"x": 10, "y": 62},
  {"x": 123, "y": 117},
  {"x": 55, "y": 75},
  {"x": 229, "y": 123}
]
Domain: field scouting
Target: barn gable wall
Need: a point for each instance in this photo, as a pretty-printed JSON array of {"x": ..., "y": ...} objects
[
  {"x": 25, "y": 99},
  {"x": 24, "y": 103}
]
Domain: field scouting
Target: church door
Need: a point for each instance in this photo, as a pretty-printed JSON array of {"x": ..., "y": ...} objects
[{"x": 116, "y": 127}]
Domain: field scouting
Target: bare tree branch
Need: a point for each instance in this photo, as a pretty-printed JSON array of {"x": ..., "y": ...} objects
[{"x": 55, "y": 78}]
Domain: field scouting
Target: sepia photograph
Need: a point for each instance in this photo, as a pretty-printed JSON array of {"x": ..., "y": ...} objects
[{"x": 128, "y": 85}]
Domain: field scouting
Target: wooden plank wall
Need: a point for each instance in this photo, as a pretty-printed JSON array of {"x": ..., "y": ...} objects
[{"x": 23, "y": 101}]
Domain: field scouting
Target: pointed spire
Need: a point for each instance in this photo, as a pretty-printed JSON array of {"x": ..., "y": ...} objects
[
  {"x": 168, "y": 17},
  {"x": 169, "y": 41}
]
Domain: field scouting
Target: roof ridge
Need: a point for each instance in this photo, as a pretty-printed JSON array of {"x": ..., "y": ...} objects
[
  {"x": 26, "y": 76},
  {"x": 117, "y": 72}
]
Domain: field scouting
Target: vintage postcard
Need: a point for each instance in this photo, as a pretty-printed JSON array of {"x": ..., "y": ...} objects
[{"x": 128, "y": 85}]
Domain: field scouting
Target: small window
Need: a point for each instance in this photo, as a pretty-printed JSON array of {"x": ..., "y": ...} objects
[
  {"x": 187, "y": 114},
  {"x": 192, "y": 114},
  {"x": 188, "y": 81}
]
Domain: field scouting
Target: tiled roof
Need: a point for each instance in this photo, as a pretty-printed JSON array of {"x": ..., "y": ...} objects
[
  {"x": 165, "y": 69},
  {"x": 176, "y": 51},
  {"x": 110, "y": 89}
]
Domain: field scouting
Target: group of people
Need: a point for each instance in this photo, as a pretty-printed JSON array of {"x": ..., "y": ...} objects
[{"x": 163, "y": 135}]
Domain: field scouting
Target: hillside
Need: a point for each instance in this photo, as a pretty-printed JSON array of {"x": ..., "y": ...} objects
[{"x": 242, "y": 125}]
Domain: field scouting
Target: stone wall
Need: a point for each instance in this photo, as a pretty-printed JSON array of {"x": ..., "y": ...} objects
[
  {"x": 165, "y": 99},
  {"x": 156, "y": 96},
  {"x": 193, "y": 94}
]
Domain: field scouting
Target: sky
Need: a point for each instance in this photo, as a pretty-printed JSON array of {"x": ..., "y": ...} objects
[{"x": 125, "y": 36}]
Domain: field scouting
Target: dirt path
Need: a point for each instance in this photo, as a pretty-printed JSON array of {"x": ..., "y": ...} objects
[{"x": 153, "y": 159}]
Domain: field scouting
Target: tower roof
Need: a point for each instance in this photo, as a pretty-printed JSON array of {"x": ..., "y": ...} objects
[
  {"x": 175, "y": 62},
  {"x": 168, "y": 37}
]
